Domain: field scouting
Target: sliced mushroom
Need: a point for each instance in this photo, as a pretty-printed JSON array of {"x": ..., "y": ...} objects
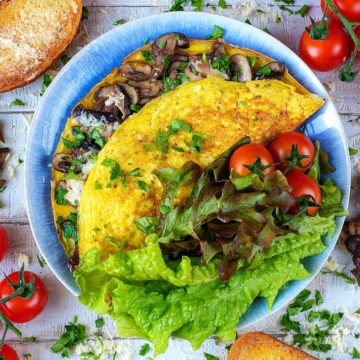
[
  {"x": 173, "y": 70},
  {"x": 74, "y": 259},
  {"x": 112, "y": 99},
  {"x": 131, "y": 92},
  {"x": 272, "y": 70},
  {"x": 74, "y": 190},
  {"x": 205, "y": 69},
  {"x": 166, "y": 44},
  {"x": 218, "y": 50},
  {"x": 148, "y": 89},
  {"x": 4, "y": 153},
  {"x": 136, "y": 70},
  {"x": 191, "y": 74},
  {"x": 180, "y": 57},
  {"x": 240, "y": 68},
  {"x": 62, "y": 162}
]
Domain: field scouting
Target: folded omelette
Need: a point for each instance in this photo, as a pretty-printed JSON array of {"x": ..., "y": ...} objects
[{"x": 122, "y": 132}]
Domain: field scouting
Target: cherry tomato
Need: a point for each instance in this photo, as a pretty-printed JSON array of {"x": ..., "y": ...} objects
[
  {"x": 247, "y": 155},
  {"x": 18, "y": 309},
  {"x": 349, "y": 8},
  {"x": 303, "y": 185},
  {"x": 8, "y": 353},
  {"x": 357, "y": 32},
  {"x": 286, "y": 145},
  {"x": 328, "y": 54},
  {"x": 4, "y": 242}
]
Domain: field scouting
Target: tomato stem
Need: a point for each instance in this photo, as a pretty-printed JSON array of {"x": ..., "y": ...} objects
[
  {"x": 8, "y": 325},
  {"x": 16, "y": 293}
]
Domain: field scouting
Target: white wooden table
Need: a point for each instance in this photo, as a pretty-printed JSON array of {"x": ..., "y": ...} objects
[{"x": 62, "y": 306}]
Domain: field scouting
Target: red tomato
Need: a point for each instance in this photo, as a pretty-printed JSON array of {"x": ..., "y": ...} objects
[
  {"x": 281, "y": 148},
  {"x": 8, "y": 353},
  {"x": 248, "y": 155},
  {"x": 303, "y": 185},
  {"x": 4, "y": 242},
  {"x": 328, "y": 54},
  {"x": 349, "y": 8},
  {"x": 18, "y": 309},
  {"x": 357, "y": 32}
]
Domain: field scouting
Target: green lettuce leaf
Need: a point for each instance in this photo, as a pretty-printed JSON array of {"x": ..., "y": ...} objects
[{"x": 331, "y": 200}]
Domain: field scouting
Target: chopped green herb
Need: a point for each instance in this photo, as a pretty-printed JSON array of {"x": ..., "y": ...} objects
[
  {"x": 17, "y": 102},
  {"x": 2, "y": 187},
  {"x": 27, "y": 356},
  {"x": 177, "y": 148},
  {"x": 95, "y": 135},
  {"x": 243, "y": 103},
  {"x": 99, "y": 323},
  {"x": 355, "y": 353},
  {"x": 259, "y": 11},
  {"x": 210, "y": 356},
  {"x": 97, "y": 185},
  {"x": 299, "y": 340},
  {"x": 357, "y": 119},
  {"x": 119, "y": 22},
  {"x": 69, "y": 226},
  {"x": 85, "y": 13},
  {"x": 197, "y": 4},
  {"x": 145, "y": 348},
  {"x": 347, "y": 278},
  {"x": 65, "y": 59},
  {"x": 285, "y": 8},
  {"x": 143, "y": 186},
  {"x": 162, "y": 141},
  {"x": 318, "y": 298},
  {"x": 196, "y": 142},
  {"x": 278, "y": 20},
  {"x": 357, "y": 311},
  {"x": 115, "y": 171},
  {"x": 20, "y": 161},
  {"x": 178, "y": 5},
  {"x": 60, "y": 194},
  {"x": 303, "y": 10},
  {"x": 78, "y": 138},
  {"x": 353, "y": 151},
  {"x": 217, "y": 33},
  {"x": 148, "y": 147},
  {"x": 247, "y": 21},
  {"x": 164, "y": 209},
  {"x": 31, "y": 339},
  {"x": 135, "y": 107},
  {"x": 267, "y": 30},
  {"x": 74, "y": 334},
  {"x": 177, "y": 124},
  {"x": 135, "y": 172},
  {"x": 147, "y": 55},
  {"x": 222, "y": 4},
  {"x": 46, "y": 82},
  {"x": 146, "y": 41},
  {"x": 264, "y": 70},
  {"x": 41, "y": 260},
  {"x": 222, "y": 63},
  {"x": 251, "y": 60}
]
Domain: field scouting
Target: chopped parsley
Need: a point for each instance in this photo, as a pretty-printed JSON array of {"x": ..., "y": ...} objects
[
  {"x": 46, "y": 82},
  {"x": 217, "y": 33},
  {"x": 97, "y": 185},
  {"x": 278, "y": 20},
  {"x": 357, "y": 311},
  {"x": 60, "y": 194},
  {"x": 243, "y": 103},
  {"x": 41, "y": 260},
  {"x": 69, "y": 226},
  {"x": 145, "y": 348},
  {"x": 285, "y": 8},
  {"x": 177, "y": 148},
  {"x": 164, "y": 209},
  {"x": 196, "y": 142},
  {"x": 355, "y": 353},
  {"x": 85, "y": 13},
  {"x": 353, "y": 151},
  {"x": 222, "y": 63},
  {"x": 197, "y": 4},
  {"x": 222, "y": 4},
  {"x": 318, "y": 298},
  {"x": 143, "y": 186},
  {"x": 147, "y": 55},
  {"x": 247, "y": 21},
  {"x": 264, "y": 70},
  {"x": 251, "y": 60},
  {"x": 303, "y": 10},
  {"x": 119, "y": 22},
  {"x": 135, "y": 107},
  {"x": 95, "y": 135},
  {"x": 74, "y": 334},
  {"x": 177, "y": 124},
  {"x": 99, "y": 323},
  {"x": 115, "y": 171},
  {"x": 178, "y": 5},
  {"x": 210, "y": 356},
  {"x": 345, "y": 277},
  {"x": 78, "y": 138},
  {"x": 31, "y": 339},
  {"x": 17, "y": 102},
  {"x": 162, "y": 141},
  {"x": 65, "y": 59}
]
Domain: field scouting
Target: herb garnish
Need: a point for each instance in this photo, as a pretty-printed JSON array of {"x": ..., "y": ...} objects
[
  {"x": 74, "y": 334},
  {"x": 222, "y": 4},
  {"x": 196, "y": 141},
  {"x": 145, "y": 348},
  {"x": 210, "y": 356},
  {"x": 222, "y": 63},
  {"x": 355, "y": 353},
  {"x": 46, "y": 82},
  {"x": 95, "y": 135},
  {"x": 69, "y": 226},
  {"x": 353, "y": 151},
  {"x": 178, "y": 5},
  {"x": 347, "y": 278},
  {"x": 303, "y": 10},
  {"x": 97, "y": 185},
  {"x": 143, "y": 186},
  {"x": 135, "y": 107},
  {"x": 78, "y": 138},
  {"x": 99, "y": 323},
  {"x": 65, "y": 59},
  {"x": 115, "y": 171},
  {"x": 119, "y": 22},
  {"x": 41, "y": 260},
  {"x": 85, "y": 13},
  {"x": 60, "y": 194},
  {"x": 217, "y": 33},
  {"x": 147, "y": 55},
  {"x": 17, "y": 102}
]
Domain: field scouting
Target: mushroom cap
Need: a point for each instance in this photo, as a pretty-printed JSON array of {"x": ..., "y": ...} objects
[{"x": 240, "y": 68}]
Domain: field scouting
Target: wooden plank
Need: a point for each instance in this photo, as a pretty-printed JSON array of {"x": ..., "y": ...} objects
[{"x": 101, "y": 19}]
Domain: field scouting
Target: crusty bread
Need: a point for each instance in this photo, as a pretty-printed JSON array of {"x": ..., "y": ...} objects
[
  {"x": 33, "y": 34},
  {"x": 260, "y": 346}
]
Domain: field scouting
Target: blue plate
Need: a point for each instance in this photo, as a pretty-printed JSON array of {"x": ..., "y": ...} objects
[{"x": 97, "y": 59}]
